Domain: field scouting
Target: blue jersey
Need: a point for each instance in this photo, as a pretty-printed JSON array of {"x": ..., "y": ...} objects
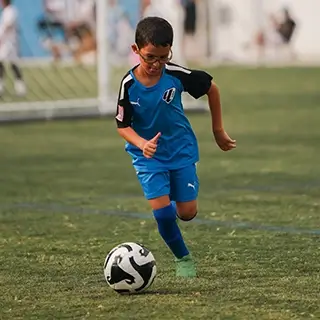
[{"x": 149, "y": 110}]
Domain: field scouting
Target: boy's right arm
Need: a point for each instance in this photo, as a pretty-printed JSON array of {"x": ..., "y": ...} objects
[
  {"x": 148, "y": 147},
  {"x": 124, "y": 115},
  {"x": 132, "y": 137},
  {"x": 124, "y": 121},
  {"x": 124, "y": 118}
]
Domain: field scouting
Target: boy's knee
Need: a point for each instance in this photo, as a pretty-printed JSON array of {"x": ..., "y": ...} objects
[
  {"x": 187, "y": 213},
  {"x": 187, "y": 216}
]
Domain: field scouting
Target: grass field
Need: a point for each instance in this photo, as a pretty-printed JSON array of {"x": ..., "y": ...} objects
[{"x": 68, "y": 194}]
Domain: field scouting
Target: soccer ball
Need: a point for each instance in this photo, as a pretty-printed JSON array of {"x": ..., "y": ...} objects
[{"x": 130, "y": 268}]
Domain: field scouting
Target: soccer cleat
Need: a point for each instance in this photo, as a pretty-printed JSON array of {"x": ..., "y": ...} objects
[{"x": 185, "y": 267}]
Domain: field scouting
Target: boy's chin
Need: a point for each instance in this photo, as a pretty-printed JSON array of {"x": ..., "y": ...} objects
[{"x": 154, "y": 71}]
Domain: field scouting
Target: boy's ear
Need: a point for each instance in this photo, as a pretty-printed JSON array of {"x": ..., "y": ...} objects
[{"x": 135, "y": 49}]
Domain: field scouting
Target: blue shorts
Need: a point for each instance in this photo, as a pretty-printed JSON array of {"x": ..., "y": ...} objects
[{"x": 180, "y": 185}]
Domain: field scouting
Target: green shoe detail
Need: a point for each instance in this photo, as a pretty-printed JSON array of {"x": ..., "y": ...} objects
[{"x": 185, "y": 267}]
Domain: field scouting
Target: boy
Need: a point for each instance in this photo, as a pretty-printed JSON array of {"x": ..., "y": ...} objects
[
  {"x": 8, "y": 46},
  {"x": 159, "y": 137}
]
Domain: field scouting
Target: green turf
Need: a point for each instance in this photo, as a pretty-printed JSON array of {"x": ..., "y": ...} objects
[{"x": 60, "y": 182}]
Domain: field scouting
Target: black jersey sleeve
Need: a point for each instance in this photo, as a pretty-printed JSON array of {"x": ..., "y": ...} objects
[
  {"x": 196, "y": 82},
  {"x": 124, "y": 107}
]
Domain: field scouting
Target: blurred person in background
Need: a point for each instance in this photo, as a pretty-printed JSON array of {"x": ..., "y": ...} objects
[
  {"x": 285, "y": 29},
  {"x": 81, "y": 30},
  {"x": 9, "y": 47},
  {"x": 190, "y": 17},
  {"x": 172, "y": 11},
  {"x": 120, "y": 32},
  {"x": 114, "y": 14},
  {"x": 274, "y": 40},
  {"x": 51, "y": 25},
  {"x": 190, "y": 43}
]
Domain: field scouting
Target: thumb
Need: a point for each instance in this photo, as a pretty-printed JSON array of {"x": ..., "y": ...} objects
[{"x": 156, "y": 137}]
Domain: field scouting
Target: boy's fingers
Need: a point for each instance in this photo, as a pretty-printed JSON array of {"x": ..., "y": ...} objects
[
  {"x": 151, "y": 146},
  {"x": 150, "y": 151},
  {"x": 156, "y": 137},
  {"x": 148, "y": 154},
  {"x": 229, "y": 147}
]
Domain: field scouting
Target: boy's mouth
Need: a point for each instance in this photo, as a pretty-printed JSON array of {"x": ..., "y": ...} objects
[{"x": 154, "y": 70}]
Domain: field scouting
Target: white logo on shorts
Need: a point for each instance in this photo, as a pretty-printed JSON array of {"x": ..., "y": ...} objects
[{"x": 191, "y": 186}]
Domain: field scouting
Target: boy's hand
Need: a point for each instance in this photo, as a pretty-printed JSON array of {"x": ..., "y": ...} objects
[
  {"x": 150, "y": 147},
  {"x": 224, "y": 141}
]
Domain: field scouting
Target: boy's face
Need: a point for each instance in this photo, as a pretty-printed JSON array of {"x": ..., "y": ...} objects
[{"x": 153, "y": 59}]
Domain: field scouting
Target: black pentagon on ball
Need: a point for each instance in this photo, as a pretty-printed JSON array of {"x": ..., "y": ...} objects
[
  {"x": 144, "y": 270},
  {"x": 118, "y": 275}
]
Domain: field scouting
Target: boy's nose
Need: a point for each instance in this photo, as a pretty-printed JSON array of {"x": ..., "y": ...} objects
[{"x": 156, "y": 64}]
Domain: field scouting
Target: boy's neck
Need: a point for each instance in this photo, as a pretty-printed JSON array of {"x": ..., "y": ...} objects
[{"x": 144, "y": 78}]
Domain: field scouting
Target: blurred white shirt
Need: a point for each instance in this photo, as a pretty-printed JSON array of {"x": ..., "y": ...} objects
[
  {"x": 8, "y": 25},
  {"x": 8, "y": 34},
  {"x": 84, "y": 12},
  {"x": 57, "y": 9}
]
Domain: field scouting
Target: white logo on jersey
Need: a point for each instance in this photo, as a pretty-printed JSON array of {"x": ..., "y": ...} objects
[
  {"x": 136, "y": 103},
  {"x": 169, "y": 95}
]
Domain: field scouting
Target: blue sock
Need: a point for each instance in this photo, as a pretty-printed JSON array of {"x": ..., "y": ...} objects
[
  {"x": 169, "y": 230},
  {"x": 174, "y": 204}
]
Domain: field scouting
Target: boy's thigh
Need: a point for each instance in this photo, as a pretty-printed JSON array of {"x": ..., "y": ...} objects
[
  {"x": 184, "y": 184},
  {"x": 154, "y": 184}
]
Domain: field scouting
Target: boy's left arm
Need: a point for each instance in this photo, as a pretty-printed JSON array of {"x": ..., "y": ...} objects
[
  {"x": 222, "y": 138},
  {"x": 199, "y": 83}
]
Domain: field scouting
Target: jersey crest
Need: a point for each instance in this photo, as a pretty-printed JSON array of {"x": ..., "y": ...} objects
[{"x": 169, "y": 95}]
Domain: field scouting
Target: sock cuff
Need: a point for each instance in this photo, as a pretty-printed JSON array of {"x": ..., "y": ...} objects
[{"x": 166, "y": 213}]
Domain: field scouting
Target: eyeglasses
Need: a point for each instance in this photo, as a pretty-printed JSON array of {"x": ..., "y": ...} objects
[{"x": 152, "y": 59}]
